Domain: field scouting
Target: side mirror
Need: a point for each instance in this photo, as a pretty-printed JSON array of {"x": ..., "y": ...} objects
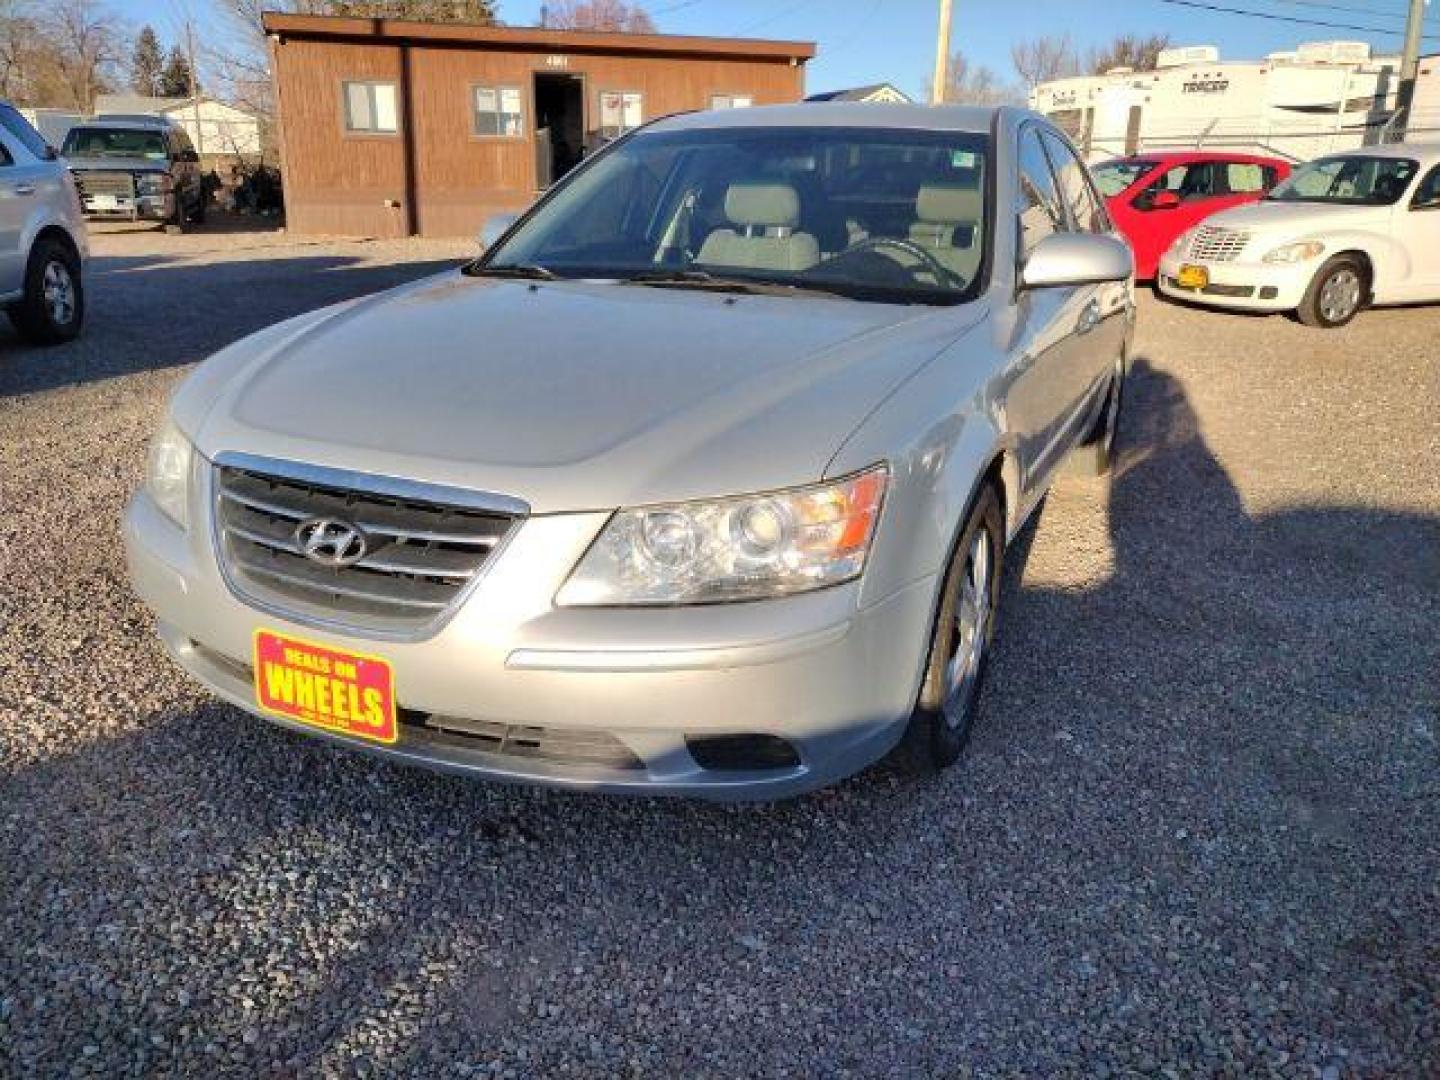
[
  {"x": 1164, "y": 200},
  {"x": 1076, "y": 259},
  {"x": 496, "y": 226}
]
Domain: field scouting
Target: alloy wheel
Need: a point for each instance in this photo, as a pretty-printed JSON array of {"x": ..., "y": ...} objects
[
  {"x": 58, "y": 288},
  {"x": 1340, "y": 295},
  {"x": 971, "y": 631}
]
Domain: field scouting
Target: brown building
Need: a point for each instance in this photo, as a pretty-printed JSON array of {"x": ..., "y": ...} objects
[{"x": 389, "y": 128}]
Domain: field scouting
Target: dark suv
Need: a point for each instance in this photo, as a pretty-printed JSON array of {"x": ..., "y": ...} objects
[{"x": 136, "y": 168}]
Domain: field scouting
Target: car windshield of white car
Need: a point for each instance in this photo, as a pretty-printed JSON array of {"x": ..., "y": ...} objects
[
  {"x": 1352, "y": 180},
  {"x": 1113, "y": 177},
  {"x": 86, "y": 142},
  {"x": 893, "y": 216}
]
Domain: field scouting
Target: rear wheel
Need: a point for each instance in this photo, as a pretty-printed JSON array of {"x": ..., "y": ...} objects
[
  {"x": 53, "y": 306},
  {"x": 1336, "y": 295},
  {"x": 960, "y": 647}
]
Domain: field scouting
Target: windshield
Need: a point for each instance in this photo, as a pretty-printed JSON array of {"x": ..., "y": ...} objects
[
  {"x": 83, "y": 142},
  {"x": 884, "y": 215},
  {"x": 1113, "y": 177},
  {"x": 1352, "y": 180}
]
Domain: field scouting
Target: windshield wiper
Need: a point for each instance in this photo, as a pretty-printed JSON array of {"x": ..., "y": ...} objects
[
  {"x": 527, "y": 271},
  {"x": 703, "y": 279}
]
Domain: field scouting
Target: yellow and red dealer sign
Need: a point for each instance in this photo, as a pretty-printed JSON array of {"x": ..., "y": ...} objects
[{"x": 343, "y": 692}]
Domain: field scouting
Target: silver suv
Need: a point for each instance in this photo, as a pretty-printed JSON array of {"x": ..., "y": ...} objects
[
  {"x": 43, "y": 245},
  {"x": 699, "y": 481}
]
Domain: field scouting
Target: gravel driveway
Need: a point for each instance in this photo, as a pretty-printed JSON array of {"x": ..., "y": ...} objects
[{"x": 1198, "y": 830}]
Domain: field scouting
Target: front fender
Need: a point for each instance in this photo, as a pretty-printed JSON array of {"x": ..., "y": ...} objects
[
  {"x": 938, "y": 455},
  {"x": 1390, "y": 260}
]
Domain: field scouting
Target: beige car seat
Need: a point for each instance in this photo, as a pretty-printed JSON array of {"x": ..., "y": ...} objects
[
  {"x": 948, "y": 226},
  {"x": 765, "y": 215}
]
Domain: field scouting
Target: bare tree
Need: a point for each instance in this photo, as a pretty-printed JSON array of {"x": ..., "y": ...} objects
[
  {"x": 19, "y": 52},
  {"x": 83, "y": 40},
  {"x": 976, "y": 84},
  {"x": 1044, "y": 59},
  {"x": 1135, "y": 51},
  {"x": 615, "y": 16}
]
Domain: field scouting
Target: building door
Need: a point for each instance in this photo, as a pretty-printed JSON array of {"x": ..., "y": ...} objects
[{"x": 559, "y": 126}]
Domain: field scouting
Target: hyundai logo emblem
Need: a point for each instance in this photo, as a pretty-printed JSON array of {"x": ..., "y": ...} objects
[{"x": 331, "y": 541}]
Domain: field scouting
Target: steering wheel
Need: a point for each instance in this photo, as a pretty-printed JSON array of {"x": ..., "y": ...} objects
[{"x": 943, "y": 274}]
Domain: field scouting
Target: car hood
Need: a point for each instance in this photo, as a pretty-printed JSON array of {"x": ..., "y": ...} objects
[
  {"x": 567, "y": 395},
  {"x": 1298, "y": 218},
  {"x": 116, "y": 164}
]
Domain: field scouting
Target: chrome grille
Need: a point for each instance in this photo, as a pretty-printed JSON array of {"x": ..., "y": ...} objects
[
  {"x": 1211, "y": 243},
  {"x": 419, "y": 554},
  {"x": 92, "y": 182}
]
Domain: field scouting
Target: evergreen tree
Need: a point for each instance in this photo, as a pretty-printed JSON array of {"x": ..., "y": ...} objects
[
  {"x": 177, "y": 80},
  {"x": 146, "y": 63}
]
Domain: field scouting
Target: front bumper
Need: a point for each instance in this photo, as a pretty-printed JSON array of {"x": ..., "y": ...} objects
[
  {"x": 832, "y": 682},
  {"x": 1244, "y": 286},
  {"x": 126, "y": 208}
]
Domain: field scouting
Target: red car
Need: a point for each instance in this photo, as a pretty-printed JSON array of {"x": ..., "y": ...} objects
[{"x": 1155, "y": 197}]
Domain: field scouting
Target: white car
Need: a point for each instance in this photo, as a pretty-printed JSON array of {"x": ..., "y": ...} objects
[{"x": 1342, "y": 232}]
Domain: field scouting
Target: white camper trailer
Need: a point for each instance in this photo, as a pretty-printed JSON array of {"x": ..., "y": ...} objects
[{"x": 1322, "y": 97}]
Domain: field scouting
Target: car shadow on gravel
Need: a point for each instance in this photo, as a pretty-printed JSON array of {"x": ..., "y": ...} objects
[
  {"x": 149, "y": 312},
  {"x": 1163, "y": 846}
]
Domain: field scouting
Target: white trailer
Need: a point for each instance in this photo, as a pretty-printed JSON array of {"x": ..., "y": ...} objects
[{"x": 1297, "y": 105}]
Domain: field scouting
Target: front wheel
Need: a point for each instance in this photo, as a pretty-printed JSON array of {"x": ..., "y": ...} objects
[
  {"x": 1336, "y": 295},
  {"x": 960, "y": 646},
  {"x": 52, "y": 308}
]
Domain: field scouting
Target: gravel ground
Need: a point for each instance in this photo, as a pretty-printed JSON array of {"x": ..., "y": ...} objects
[{"x": 1198, "y": 830}]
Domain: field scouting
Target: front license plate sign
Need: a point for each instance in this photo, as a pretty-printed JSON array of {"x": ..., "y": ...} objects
[
  {"x": 342, "y": 692},
  {"x": 1193, "y": 277},
  {"x": 104, "y": 202}
]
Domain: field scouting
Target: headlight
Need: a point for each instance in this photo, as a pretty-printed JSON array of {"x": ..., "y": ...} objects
[
  {"x": 1293, "y": 253},
  {"x": 745, "y": 548},
  {"x": 167, "y": 472},
  {"x": 153, "y": 183}
]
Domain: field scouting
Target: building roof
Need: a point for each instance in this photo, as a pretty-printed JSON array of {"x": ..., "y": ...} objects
[
  {"x": 340, "y": 28},
  {"x": 144, "y": 105},
  {"x": 882, "y": 91}
]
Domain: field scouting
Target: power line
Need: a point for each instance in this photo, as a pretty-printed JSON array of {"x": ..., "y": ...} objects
[
  {"x": 1295, "y": 19},
  {"x": 1351, "y": 9},
  {"x": 774, "y": 17}
]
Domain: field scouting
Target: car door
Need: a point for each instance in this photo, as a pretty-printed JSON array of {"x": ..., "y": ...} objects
[
  {"x": 1418, "y": 228},
  {"x": 22, "y": 188},
  {"x": 1038, "y": 391},
  {"x": 1099, "y": 334}
]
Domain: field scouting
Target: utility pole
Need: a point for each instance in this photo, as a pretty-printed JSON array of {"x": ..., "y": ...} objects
[
  {"x": 942, "y": 56},
  {"x": 194, "y": 87},
  {"x": 1410, "y": 62}
]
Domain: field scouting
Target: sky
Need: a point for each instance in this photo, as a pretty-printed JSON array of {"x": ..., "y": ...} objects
[{"x": 870, "y": 41}]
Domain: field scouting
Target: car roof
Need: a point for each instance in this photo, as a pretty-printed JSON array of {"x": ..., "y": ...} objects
[
  {"x": 1426, "y": 152},
  {"x": 128, "y": 122},
  {"x": 1171, "y": 157},
  {"x": 845, "y": 114}
]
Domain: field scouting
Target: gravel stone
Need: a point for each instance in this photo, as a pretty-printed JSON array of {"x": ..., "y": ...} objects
[{"x": 1197, "y": 831}]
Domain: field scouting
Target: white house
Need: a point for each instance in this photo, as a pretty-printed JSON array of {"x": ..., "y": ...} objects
[
  {"x": 1321, "y": 97},
  {"x": 216, "y": 129}
]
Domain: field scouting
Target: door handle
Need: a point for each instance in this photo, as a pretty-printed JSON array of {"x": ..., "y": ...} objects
[{"x": 24, "y": 189}]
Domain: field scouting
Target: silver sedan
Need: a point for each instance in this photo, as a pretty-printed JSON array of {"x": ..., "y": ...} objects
[{"x": 698, "y": 481}]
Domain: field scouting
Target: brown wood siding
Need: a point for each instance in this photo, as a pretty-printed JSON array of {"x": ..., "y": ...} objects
[{"x": 337, "y": 182}]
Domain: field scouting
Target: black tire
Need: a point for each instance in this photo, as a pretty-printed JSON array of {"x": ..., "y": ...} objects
[
  {"x": 945, "y": 712},
  {"x": 1336, "y": 295},
  {"x": 197, "y": 212},
  {"x": 175, "y": 224},
  {"x": 1095, "y": 456},
  {"x": 40, "y": 316}
]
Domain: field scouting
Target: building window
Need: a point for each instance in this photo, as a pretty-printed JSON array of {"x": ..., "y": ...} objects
[
  {"x": 370, "y": 108},
  {"x": 497, "y": 111},
  {"x": 620, "y": 111},
  {"x": 731, "y": 101}
]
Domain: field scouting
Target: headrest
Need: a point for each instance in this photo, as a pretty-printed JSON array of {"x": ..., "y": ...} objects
[
  {"x": 948, "y": 204},
  {"x": 767, "y": 205}
]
